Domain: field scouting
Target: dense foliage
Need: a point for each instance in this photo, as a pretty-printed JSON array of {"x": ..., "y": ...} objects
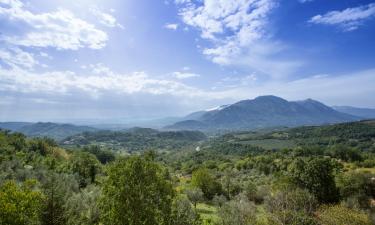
[{"x": 227, "y": 180}]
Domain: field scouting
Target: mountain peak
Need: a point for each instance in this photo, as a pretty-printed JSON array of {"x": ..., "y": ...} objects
[
  {"x": 266, "y": 111},
  {"x": 269, "y": 97}
]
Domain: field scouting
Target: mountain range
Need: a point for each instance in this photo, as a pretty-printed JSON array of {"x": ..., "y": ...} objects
[
  {"x": 53, "y": 130},
  {"x": 360, "y": 112},
  {"x": 259, "y": 113},
  {"x": 263, "y": 112}
]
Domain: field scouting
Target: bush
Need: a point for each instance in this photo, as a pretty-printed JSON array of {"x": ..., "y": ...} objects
[{"x": 340, "y": 215}]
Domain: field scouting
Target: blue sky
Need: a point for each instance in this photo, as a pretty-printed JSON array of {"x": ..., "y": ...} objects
[{"x": 112, "y": 60}]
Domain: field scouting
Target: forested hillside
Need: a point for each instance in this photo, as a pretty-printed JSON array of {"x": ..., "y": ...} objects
[
  {"x": 241, "y": 178},
  {"x": 53, "y": 130},
  {"x": 137, "y": 139}
]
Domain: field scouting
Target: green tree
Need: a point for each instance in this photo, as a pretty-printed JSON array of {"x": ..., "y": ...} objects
[
  {"x": 86, "y": 166},
  {"x": 136, "y": 192},
  {"x": 356, "y": 189},
  {"x": 57, "y": 188},
  {"x": 183, "y": 214},
  {"x": 318, "y": 176},
  {"x": 20, "y": 205},
  {"x": 291, "y": 206},
  {"x": 195, "y": 195},
  {"x": 203, "y": 179},
  {"x": 238, "y": 211},
  {"x": 82, "y": 207}
]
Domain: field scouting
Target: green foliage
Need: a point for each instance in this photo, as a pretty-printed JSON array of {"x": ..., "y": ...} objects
[
  {"x": 82, "y": 207},
  {"x": 340, "y": 215},
  {"x": 137, "y": 139},
  {"x": 86, "y": 166},
  {"x": 292, "y": 206},
  {"x": 57, "y": 188},
  {"x": 356, "y": 189},
  {"x": 183, "y": 214},
  {"x": 104, "y": 156},
  {"x": 318, "y": 176},
  {"x": 20, "y": 204},
  {"x": 239, "y": 211},
  {"x": 203, "y": 179},
  {"x": 136, "y": 192},
  {"x": 195, "y": 195}
]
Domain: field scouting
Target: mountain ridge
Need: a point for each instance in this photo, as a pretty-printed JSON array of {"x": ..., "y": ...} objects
[
  {"x": 262, "y": 112},
  {"x": 57, "y": 131}
]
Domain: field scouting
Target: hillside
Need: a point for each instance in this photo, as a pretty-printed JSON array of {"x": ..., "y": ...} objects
[
  {"x": 263, "y": 112},
  {"x": 359, "y": 134},
  {"x": 53, "y": 130},
  {"x": 137, "y": 139}
]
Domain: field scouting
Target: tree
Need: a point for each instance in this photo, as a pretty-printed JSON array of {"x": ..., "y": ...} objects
[
  {"x": 291, "y": 206},
  {"x": 86, "y": 166},
  {"x": 219, "y": 200},
  {"x": 82, "y": 207},
  {"x": 104, "y": 156},
  {"x": 203, "y": 179},
  {"x": 356, "y": 189},
  {"x": 316, "y": 175},
  {"x": 239, "y": 211},
  {"x": 183, "y": 214},
  {"x": 194, "y": 195},
  {"x": 57, "y": 188},
  {"x": 136, "y": 192},
  {"x": 20, "y": 205}
]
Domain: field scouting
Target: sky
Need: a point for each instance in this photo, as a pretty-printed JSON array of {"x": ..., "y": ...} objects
[{"x": 121, "y": 60}]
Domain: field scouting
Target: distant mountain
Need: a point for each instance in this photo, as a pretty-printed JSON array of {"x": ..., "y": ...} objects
[
  {"x": 360, "y": 112},
  {"x": 263, "y": 112},
  {"x": 13, "y": 126},
  {"x": 52, "y": 130}
]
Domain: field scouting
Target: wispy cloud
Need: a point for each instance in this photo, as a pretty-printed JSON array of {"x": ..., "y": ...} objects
[
  {"x": 171, "y": 26},
  {"x": 184, "y": 75},
  {"x": 105, "y": 18},
  {"x": 239, "y": 34},
  {"x": 60, "y": 29},
  {"x": 348, "y": 19},
  {"x": 99, "y": 80},
  {"x": 16, "y": 57}
]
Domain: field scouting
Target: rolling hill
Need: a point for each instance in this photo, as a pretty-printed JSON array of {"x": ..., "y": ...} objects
[
  {"x": 263, "y": 112},
  {"x": 137, "y": 139},
  {"x": 53, "y": 130}
]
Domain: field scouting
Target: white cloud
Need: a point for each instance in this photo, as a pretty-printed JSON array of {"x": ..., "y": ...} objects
[
  {"x": 349, "y": 19},
  {"x": 100, "y": 80},
  {"x": 171, "y": 26},
  {"x": 16, "y": 57},
  {"x": 239, "y": 34},
  {"x": 184, "y": 75},
  {"x": 105, "y": 18},
  {"x": 60, "y": 29}
]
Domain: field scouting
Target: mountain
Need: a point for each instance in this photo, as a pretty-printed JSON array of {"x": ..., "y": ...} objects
[
  {"x": 360, "y": 112},
  {"x": 13, "y": 126},
  {"x": 52, "y": 130},
  {"x": 263, "y": 112}
]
